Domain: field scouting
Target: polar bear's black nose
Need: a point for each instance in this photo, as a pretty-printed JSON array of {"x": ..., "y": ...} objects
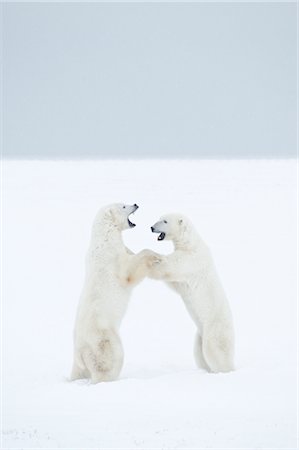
[
  {"x": 136, "y": 206},
  {"x": 153, "y": 229}
]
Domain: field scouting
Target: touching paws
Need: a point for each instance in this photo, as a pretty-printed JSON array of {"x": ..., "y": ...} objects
[{"x": 151, "y": 258}]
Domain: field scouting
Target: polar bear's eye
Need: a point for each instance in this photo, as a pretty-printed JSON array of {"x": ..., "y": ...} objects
[
  {"x": 165, "y": 221},
  {"x": 123, "y": 206}
]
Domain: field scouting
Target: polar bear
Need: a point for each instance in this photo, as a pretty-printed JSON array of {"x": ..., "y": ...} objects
[
  {"x": 190, "y": 271},
  {"x": 111, "y": 273}
]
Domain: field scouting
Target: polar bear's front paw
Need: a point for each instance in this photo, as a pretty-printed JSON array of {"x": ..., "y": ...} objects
[
  {"x": 153, "y": 260},
  {"x": 150, "y": 258}
]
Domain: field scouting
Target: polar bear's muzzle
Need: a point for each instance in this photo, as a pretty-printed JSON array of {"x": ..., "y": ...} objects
[{"x": 155, "y": 229}]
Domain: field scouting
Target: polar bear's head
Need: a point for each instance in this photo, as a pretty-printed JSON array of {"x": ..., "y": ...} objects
[
  {"x": 117, "y": 216},
  {"x": 170, "y": 227}
]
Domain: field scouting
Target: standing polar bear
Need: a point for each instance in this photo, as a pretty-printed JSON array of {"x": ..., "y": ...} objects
[
  {"x": 111, "y": 273},
  {"x": 190, "y": 271}
]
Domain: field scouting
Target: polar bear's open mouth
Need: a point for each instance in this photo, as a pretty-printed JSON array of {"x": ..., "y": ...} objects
[
  {"x": 162, "y": 234},
  {"x": 131, "y": 224}
]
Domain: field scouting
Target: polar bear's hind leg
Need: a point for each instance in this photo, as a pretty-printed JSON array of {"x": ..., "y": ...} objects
[
  {"x": 78, "y": 373},
  {"x": 218, "y": 351},
  {"x": 198, "y": 353},
  {"x": 104, "y": 361}
]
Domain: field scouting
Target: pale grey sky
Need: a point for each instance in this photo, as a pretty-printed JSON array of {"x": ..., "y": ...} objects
[{"x": 149, "y": 80}]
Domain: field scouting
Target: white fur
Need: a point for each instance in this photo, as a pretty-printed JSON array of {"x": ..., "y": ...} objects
[
  {"x": 111, "y": 273},
  {"x": 190, "y": 271}
]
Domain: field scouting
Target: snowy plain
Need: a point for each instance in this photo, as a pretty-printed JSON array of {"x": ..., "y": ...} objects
[{"x": 245, "y": 211}]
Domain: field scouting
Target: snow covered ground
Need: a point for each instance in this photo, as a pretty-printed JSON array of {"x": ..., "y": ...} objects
[{"x": 245, "y": 211}]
